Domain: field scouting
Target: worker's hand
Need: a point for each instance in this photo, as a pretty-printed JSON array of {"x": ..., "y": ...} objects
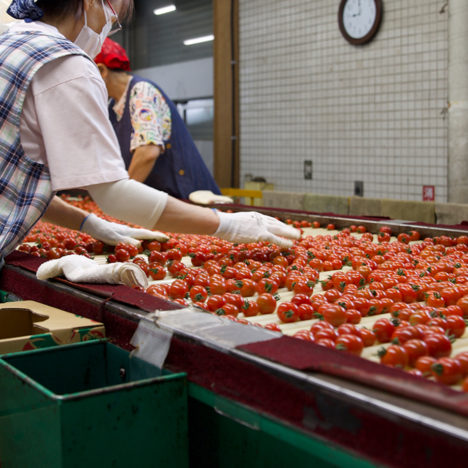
[
  {"x": 113, "y": 233},
  {"x": 252, "y": 227},
  {"x": 81, "y": 269}
]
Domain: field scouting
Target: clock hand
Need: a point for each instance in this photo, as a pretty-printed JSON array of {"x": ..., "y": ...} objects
[{"x": 359, "y": 10}]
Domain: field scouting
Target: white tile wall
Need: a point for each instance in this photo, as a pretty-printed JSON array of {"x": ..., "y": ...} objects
[{"x": 372, "y": 113}]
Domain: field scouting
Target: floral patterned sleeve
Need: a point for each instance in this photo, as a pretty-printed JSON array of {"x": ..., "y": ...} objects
[{"x": 150, "y": 115}]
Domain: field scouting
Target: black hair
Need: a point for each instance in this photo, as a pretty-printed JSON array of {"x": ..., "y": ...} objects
[
  {"x": 56, "y": 9},
  {"x": 59, "y": 9}
]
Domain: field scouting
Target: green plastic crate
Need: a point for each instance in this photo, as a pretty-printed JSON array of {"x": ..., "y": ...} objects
[
  {"x": 224, "y": 433},
  {"x": 90, "y": 404},
  {"x": 8, "y": 297}
]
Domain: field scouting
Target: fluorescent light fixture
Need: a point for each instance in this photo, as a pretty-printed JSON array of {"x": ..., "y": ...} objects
[
  {"x": 164, "y": 10},
  {"x": 198, "y": 40}
]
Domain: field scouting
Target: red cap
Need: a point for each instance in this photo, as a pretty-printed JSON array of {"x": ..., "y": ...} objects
[{"x": 113, "y": 56}]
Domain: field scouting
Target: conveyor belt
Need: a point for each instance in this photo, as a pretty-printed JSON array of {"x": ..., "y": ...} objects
[{"x": 376, "y": 424}]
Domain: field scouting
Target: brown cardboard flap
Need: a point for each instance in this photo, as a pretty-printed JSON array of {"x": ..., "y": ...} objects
[{"x": 19, "y": 321}]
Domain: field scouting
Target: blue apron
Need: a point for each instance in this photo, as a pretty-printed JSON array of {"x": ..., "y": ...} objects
[{"x": 178, "y": 171}]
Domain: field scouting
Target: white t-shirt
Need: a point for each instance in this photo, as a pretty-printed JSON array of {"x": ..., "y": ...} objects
[{"x": 65, "y": 122}]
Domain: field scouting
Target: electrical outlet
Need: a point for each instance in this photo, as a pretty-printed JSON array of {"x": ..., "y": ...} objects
[
  {"x": 359, "y": 188},
  {"x": 307, "y": 169}
]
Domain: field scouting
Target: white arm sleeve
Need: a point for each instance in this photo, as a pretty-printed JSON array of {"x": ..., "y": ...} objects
[{"x": 129, "y": 200}]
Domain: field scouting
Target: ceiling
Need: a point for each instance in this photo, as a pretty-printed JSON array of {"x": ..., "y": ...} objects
[{"x": 153, "y": 40}]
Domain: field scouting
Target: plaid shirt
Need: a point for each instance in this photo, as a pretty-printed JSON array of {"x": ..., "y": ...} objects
[{"x": 25, "y": 188}]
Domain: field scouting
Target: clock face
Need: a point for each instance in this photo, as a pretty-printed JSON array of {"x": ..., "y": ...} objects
[{"x": 359, "y": 19}]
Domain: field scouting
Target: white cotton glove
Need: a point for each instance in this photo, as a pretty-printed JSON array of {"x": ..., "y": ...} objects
[
  {"x": 81, "y": 269},
  {"x": 113, "y": 233},
  {"x": 253, "y": 227}
]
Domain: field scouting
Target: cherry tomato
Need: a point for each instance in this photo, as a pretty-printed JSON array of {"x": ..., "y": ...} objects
[
  {"x": 217, "y": 285},
  {"x": 415, "y": 349},
  {"x": 383, "y": 237},
  {"x": 158, "y": 290},
  {"x": 54, "y": 252},
  {"x": 455, "y": 325},
  {"x": 351, "y": 343},
  {"x": 409, "y": 292},
  {"x": 233, "y": 286},
  {"x": 302, "y": 286},
  {"x": 414, "y": 235},
  {"x": 299, "y": 299},
  {"x": 305, "y": 335},
  {"x": 111, "y": 258},
  {"x": 236, "y": 299},
  {"x": 288, "y": 312},
  {"x": 367, "y": 336},
  {"x": 394, "y": 356},
  {"x": 333, "y": 314},
  {"x": 131, "y": 249},
  {"x": 266, "y": 285},
  {"x": 122, "y": 255},
  {"x": 325, "y": 333},
  {"x": 156, "y": 271},
  {"x": 463, "y": 304},
  {"x": 321, "y": 325},
  {"x": 266, "y": 303},
  {"x": 453, "y": 310},
  {"x": 157, "y": 257},
  {"x": 174, "y": 254},
  {"x": 175, "y": 267},
  {"x": 403, "y": 334},
  {"x": 353, "y": 316},
  {"x": 347, "y": 329},
  {"x": 227, "y": 309},
  {"x": 438, "y": 345},
  {"x": 383, "y": 330},
  {"x": 178, "y": 289},
  {"x": 305, "y": 311},
  {"x": 97, "y": 247},
  {"x": 403, "y": 237},
  {"x": 250, "y": 308},
  {"x": 152, "y": 245},
  {"x": 198, "y": 293},
  {"x": 70, "y": 243},
  {"x": 197, "y": 258},
  {"x": 247, "y": 287},
  {"x": 421, "y": 317},
  {"x": 462, "y": 358},
  {"x": 400, "y": 310},
  {"x": 215, "y": 302},
  {"x": 447, "y": 371},
  {"x": 424, "y": 364},
  {"x": 326, "y": 342},
  {"x": 434, "y": 299}
]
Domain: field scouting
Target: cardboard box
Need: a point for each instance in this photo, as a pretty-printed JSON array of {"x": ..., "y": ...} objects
[{"x": 26, "y": 325}]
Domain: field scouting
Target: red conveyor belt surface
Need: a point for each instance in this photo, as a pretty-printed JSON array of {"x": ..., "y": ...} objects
[{"x": 285, "y": 350}]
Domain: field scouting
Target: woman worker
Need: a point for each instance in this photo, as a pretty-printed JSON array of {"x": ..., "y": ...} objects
[
  {"x": 155, "y": 143},
  {"x": 55, "y": 133}
]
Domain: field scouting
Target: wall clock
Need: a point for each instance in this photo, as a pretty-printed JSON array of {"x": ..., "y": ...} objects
[{"x": 359, "y": 20}]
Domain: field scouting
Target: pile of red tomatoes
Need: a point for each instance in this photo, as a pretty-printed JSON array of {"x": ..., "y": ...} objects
[{"x": 417, "y": 291}]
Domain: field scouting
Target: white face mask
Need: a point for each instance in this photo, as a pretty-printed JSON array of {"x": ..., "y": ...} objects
[{"x": 89, "y": 40}]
